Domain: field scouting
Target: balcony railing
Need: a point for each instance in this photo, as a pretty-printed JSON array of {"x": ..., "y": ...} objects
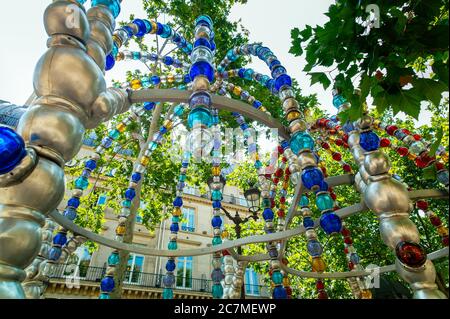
[{"x": 141, "y": 279}]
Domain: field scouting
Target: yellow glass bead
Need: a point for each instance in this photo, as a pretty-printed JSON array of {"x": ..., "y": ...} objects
[
  {"x": 293, "y": 116},
  {"x": 121, "y": 127},
  {"x": 286, "y": 282},
  {"x": 216, "y": 171},
  {"x": 120, "y": 230},
  {"x": 170, "y": 78},
  {"x": 366, "y": 294},
  {"x": 154, "y": 27},
  {"x": 176, "y": 212},
  {"x": 411, "y": 156},
  {"x": 168, "y": 124},
  {"x": 376, "y": 124},
  {"x": 255, "y": 156},
  {"x": 237, "y": 90},
  {"x": 444, "y": 158},
  {"x": 136, "y": 84},
  {"x": 145, "y": 160},
  {"x": 442, "y": 231},
  {"x": 224, "y": 234},
  {"x": 263, "y": 109},
  {"x": 318, "y": 264},
  {"x": 283, "y": 206}
]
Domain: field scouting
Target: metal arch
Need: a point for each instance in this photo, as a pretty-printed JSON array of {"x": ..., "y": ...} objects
[{"x": 220, "y": 102}]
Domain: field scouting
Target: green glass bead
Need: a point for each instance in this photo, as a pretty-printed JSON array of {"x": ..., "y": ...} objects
[
  {"x": 324, "y": 202},
  {"x": 277, "y": 278},
  {"x": 172, "y": 245},
  {"x": 167, "y": 293},
  {"x": 216, "y": 241},
  {"x": 217, "y": 291},
  {"x": 266, "y": 202}
]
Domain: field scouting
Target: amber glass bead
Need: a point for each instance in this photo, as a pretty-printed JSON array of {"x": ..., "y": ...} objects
[
  {"x": 444, "y": 157},
  {"x": 170, "y": 78},
  {"x": 411, "y": 254},
  {"x": 286, "y": 281},
  {"x": 176, "y": 212},
  {"x": 216, "y": 171},
  {"x": 168, "y": 124},
  {"x": 262, "y": 108},
  {"x": 318, "y": 264},
  {"x": 136, "y": 84},
  {"x": 237, "y": 90},
  {"x": 154, "y": 27},
  {"x": 366, "y": 294},
  {"x": 120, "y": 230},
  {"x": 145, "y": 160},
  {"x": 121, "y": 127},
  {"x": 293, "y": 116},
  {"x": 442, "y": 231}
]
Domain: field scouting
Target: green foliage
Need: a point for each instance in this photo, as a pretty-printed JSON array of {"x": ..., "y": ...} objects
[{"x": 400, "y": 64}]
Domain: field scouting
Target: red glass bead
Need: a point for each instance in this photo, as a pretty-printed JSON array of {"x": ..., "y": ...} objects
[
  {"x": 346, "y": 145},
  {"x": 424, "y": 159},
  {"x": 417, "y": 137},
  {"x": 268, "y": 176},
  {"x": 347, "y": 168},
  {"x": 288, "y": 290},
  {"x": 333, "y": 196},
  {"x": 339, "y": 142},
  {"x": 281, "y": 213},
  {"x": 320, "y": 285},
  {"x": 350, "y": 265},
  {"x": 284, "y": 261},
  {"x": 272, "y": 203},
  {"x": 445, "y": 240},
  {"x": 326, "y": 146},
  {"x": 435, "y": 221},
  {"x": 345, "y": 232},
  {"x": 324, "y": 169},
  {"x": 322, "y": 295},
  {"x": 283, "y": 200},
  {"x": 276, "y": 180},
  {"x": 333, "y": 131},
  {"x": 280, "y": 150},
  {"x": 287, "y": 172},
  {"x": 270, "y": 272},
  {"x": 348, "y": 241},
  {"x": 346, "y": 250},
  {"x": 225, "y": 252},
  {"x": 411, "y": 254},
  {"x": 406, "y": 131},
  {"x": 337, "y": 156},
  {"x": 335, "y": 208},
  {"x": 284, "y": 159},
  {"x": 279, "y": 172},
  {"x": 402, "y": 151},
  {"x": 338, "y": 127},
  {"x": 439, "y": 166},
  {"x": 421, "y": 204},
  {"x": 391, "y": 129},
  {"x": 345, "y": 138},
  {"x": 384, "y": 142}
]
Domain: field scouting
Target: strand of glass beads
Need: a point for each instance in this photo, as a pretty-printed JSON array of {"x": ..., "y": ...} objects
[
  {"x": 246, "y": 74},
  {"x": 152, "y": 57},
  {"x": 139, "y": 28},
  {"x": 435, "y": 221},
  {"x": 314, "y": 247},
  {"x": 216, "y": 222},
  {"x": 149, "y": 81},
  {"x": 286, "y": 280},
  {"x": 336, "y": 156}
]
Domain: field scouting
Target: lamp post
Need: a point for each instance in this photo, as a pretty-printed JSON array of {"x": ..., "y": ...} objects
[{"x": 253, "y": 196}]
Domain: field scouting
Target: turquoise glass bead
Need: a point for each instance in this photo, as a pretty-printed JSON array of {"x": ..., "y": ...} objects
[
  {"x": 217, "y": 241},
  {"x": 217, "y": 291},
  {"x": 324, "y": 202},
  {"x": 175, "y": 219},
  {"x": 338, "y": 100},
  {"x": 277, "y": 277},
  {"x": 153, "y": 146},
  {"x": 146, "y": 82},
  {"x": 179, "y": 110},
  {"x": 81, "y": 183},
  {"x": 172, "y": 245},
  {"x": 258, "y": 164},
  {"x": 216, "y": 195},
  {"x": 301, "y": 141},
  {"x": 104, "y": 296},
  {"x": 112, "y": 5},
  {"x": 182, "y": 178},
  {"x": 113, "y": 259},
  {"x": 200, "y": 116},
  {"x": 114, "y": 134},
  {"x": 304, "y": 201},
  {"x": 167, "y": 293},
  {"x": 126, "y": 203}
]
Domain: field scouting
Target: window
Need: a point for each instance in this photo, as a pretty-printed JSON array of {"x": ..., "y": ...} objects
[
  {"x": 138, "y": 218},
  {"x": 251, "y": 282},
  {"x": 184, "y": 272},
  {"x": 189, "y": 219},
  {"x": 134, "y": 269},
  {"x": 102, "y": 199},
  {"x": 190, "y": 190}
]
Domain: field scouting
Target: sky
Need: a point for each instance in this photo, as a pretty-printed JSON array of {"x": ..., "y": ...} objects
[{"x": 24, "y": 42}]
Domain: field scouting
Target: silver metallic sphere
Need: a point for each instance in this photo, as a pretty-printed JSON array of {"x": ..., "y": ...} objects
[
  {"x": 377, "y": 163},
  {"x": 395, "y": 229},
  {"x": 387, "y": 197}
]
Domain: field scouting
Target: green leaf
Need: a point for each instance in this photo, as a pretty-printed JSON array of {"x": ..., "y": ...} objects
[
  {"x": 437, "y": 142},
  {"x": 320, "y": 77}
]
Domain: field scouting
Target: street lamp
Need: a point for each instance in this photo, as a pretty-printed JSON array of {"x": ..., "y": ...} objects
[{"x": 253, "y": 196}]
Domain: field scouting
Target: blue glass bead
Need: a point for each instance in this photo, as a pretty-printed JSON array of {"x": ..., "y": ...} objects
[
  {"x": 330, "y": 223},
  {"x": 91, "y": 164},
  {"x": 167, "y": 294},
  {"x": 155, "y": 79},
  {"x": 172, "y": 244},
  {"x": 274, "y": 64},
  {"x": 176, "y": 38},
  {"x": 104, "y": 296},
  {"x": 159, "y": 28},
  {"x": 285, "y": 144},
  {"x": 86, "y": 173},
  {"x": 216, "y": 241},
  {"x": 273, "y": 253},
  {"x": 308, "y": 222},
  {"x": 110, "y": 62},
  {"x": 136, "y": 177},
  {"x": 163, "y": 130},
  {"x": 178, "y": 202},
  {"x": 241, "y": 72},
  {"x": 107, "y": 284},
  {"x": 128, "y": 30},
  {"x": 213, "y": 45},
  {"x": 187, "y": 78},
  {"x": 278, "y": 71},
  {"x": 170, "y": 265},
  {"x": 142, "y": 28},
  {"x": 369, "y": 141},
  {"x": 301, "y": 141},
  {"x": 268, "y": 214},
  {"x": 354, "y": 258},
  {"x": 148, "y": 106},
  {"x": 348, "y": 127},
  {"x": 114, "y": 134},
  {"x": 113, "y": 259},
  {"x": 12, "y": 149},
  {"x": 54, "y": 253},
  {"x": 167, "y": 31},
  {"x": 283, "y": 80},
  {"x": 323, "y": 187},
  {"x": 279, "y": 293},
  {"x": 338, "y": 100},
  {"x": 277, "y": 278},
  {"x": 216, "y": 204},
  {"x": 130, "y": 193},
  {"x": 70, "y": 213},
  {"x": 74, "y": 202},
  {"x": 324, "y": 202},
  {"x": 217, "y": 291},
  {"x": 168, "y": 60},
  {"x": 174, "y": 228},
  {"x": 112, "y": 5},
  {"x": 314, "y": 248},
  {"x": 216, "y": 195},
  {"x": 312, "y": 177},
  {"x": 202, "y": 42},
  {"x": 60, "y": 239},
  {"x": 202, "y": 68},
  {"x": 200, "y": 116},
  {"x": 107, "y": 142},
  {"x": 81, "y": 183},
  {"x": 216, "y": 222},
  {"x": 169, "y": 280},
  {"x": 204, "y": 20}
]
